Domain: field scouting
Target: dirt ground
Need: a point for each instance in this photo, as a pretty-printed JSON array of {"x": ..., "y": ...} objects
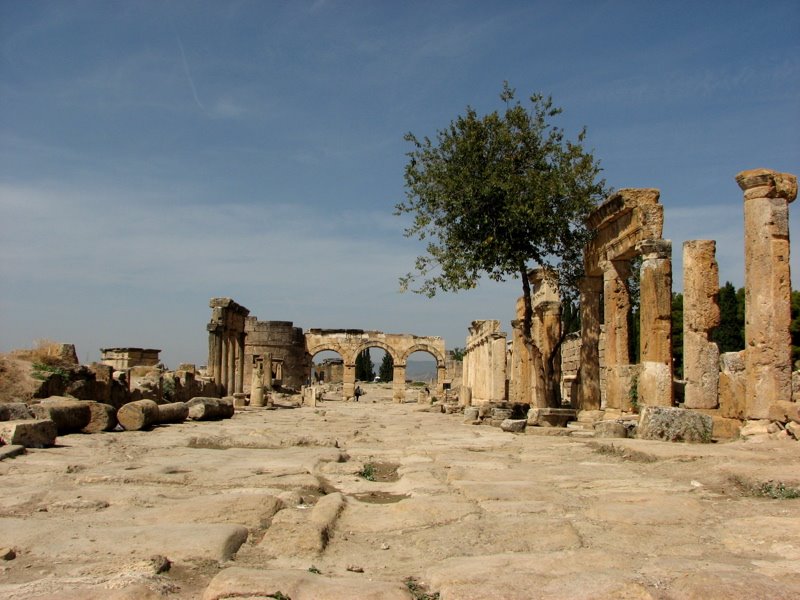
[{"x": 382, "y": 500}]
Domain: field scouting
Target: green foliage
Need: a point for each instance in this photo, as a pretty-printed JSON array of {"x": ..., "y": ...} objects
[
  {"x": 42, "y": 371},
  {"x": 794, "y": 328},
  {"x": 729, "y": 335},
  {"x": 279, "y": 596},
  {"x": 677, "y": 334},
  {"x": 776, "y": 490},
  {"x": 367, "y": 472},
  {"x": 492, "y": 194},
  {"x": 386, "y": 370},
  {"x": 570, "y": 317},
  {"x": 168, "y": 388},
  {"x": 458, "y": 353},
  {"x": 313, "y": 569},
  {"x": 365, "y": 370}
]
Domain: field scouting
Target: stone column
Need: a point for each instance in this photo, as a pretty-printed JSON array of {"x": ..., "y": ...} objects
[
  {"x": 767, "y": 282},
  {"x": 223, "y": 363},
  {"x": 441, "y": 375},
  {"x": 240, "y": 371},
  {"x": 230, "y": 382},
  {"x": 700, "y": 317},
  {"x": 655, "y": 310},
  {"x": 399, "y": 382},
  {"x": 617, "y": 307},
  {"x": 549, "y": 316},
  {"x": 257, "y": 385},
  {"x": 349, "y": 381},
  {"x": 589, "y": 397},
  {"x": 268, "y": 371},
  {"x": 497, "y": 383}
]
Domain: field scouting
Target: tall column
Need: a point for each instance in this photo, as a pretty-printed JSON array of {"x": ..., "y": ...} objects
[
  {"x": 268, "y": 371},
  {"x": 349, "y": 381},
  {"x": 441, "y": 375},
  {"x": 230, "y": 381},
  {"x": 399, "y": 382},
  {"x": 240, "y": 370},
  {"x": 223, "y": 363},
  {"x": 700, "y": 317},
  {"x": 549, "y": 316},
  {"x": 767, "y": 283},
  {"x": 497, "y": 374},
  {"x": 655, "y": 310},
  {"x": 617, "y": 307},
  {"x": 589, "y": 398}
]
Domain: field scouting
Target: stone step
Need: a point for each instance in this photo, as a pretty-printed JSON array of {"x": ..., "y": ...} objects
[
  {"x": 549, "y": 431},
  {"x": 582, "y": 434}
]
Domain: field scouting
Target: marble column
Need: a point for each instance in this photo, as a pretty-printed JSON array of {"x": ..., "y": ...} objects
[
  {"x": 617, "y": 307},
  {"x": 399, "y": 382}
]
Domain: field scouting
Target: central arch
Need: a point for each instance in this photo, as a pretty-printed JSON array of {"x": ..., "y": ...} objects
[{"x": 349, "y": 342}]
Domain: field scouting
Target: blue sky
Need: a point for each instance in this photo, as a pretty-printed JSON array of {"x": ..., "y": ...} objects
[{"x": 155, "y": 154}]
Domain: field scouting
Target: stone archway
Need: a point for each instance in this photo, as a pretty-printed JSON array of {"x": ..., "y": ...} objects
[{"x": 349, "y": 342}]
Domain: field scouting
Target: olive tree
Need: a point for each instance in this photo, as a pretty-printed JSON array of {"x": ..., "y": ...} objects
[{"x": 495, "y": 195}]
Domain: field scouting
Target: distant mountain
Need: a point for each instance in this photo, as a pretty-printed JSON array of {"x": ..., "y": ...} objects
[{"x": 421, "y": 370}]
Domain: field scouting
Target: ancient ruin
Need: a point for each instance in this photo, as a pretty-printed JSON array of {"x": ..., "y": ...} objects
[
  {"x": 226, "y": 349},
  {"x": 125, "y": 358}
]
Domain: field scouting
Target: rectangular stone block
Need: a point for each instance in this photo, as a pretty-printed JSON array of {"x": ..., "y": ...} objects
[{"x": 31, "y": 433}]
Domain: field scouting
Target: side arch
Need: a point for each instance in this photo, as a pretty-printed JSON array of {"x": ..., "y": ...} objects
[
  {"x": 425, "y": 348},
  {"x": 378, "y": 344}
]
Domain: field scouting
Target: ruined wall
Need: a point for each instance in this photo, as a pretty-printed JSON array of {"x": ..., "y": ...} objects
[
  {"x": 485, "y": 363},
  {"x": 121, "y": 359},
  {"x": 330, "y": 371},
  {"x": 283, "y": 345}
]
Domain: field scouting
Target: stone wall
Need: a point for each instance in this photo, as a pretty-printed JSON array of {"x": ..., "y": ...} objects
[
  {"x": 280, "y": 345},
  {"x": 121, "y": 359},
  {"x": 485, "y": 363}
]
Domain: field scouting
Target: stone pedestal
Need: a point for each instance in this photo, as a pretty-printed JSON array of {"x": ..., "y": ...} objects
[{"x": 767, "y": 282}]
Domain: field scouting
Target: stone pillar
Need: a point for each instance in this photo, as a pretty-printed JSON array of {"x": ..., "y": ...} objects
[
  {"x": 399, "y": 382},
  {"x": 549, "y": 316},
  {"x": 655, "y": 310},
  {"x": 223, "y": 364},
  {"x": 767, "y": 283},
  {"x": 441, "y": 376},
  {"x": 230, "y": 382},
  {"x": 257, "y": 385},
  {"x": 349, "y": 382},
  {"x": 520, "y": 365},
  {"x": 268, "y": 371},
  {"x": 700, "y": 317},
  {"x": 497, "y": 382},
  {"x": 589, "y": 397},
  {"x": 240, "y": 371},
  {"x": 616, "y": 308}
]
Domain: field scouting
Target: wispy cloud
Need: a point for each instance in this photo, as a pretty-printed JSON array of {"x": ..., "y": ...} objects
[{"x": 188, "y": 71}]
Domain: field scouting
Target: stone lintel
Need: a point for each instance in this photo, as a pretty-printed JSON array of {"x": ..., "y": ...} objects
[
  {"x": 228, "y": 304},
  {"x": 766, "y": 183},
  {"x": 621, "y": 202}
]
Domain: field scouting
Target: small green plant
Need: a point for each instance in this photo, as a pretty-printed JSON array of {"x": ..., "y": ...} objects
[
  {"x": 777, "y": 490},
  {"x": 168, "y": 388},
  {"x": 417, "y": 591},
  {"x": 633, "y": 393},
  {"x": 42, "y": 371},
  {"x": 367, "y": 472},
  {"x": 313, "y": 569},
  {"x": 279, "y": 596}
]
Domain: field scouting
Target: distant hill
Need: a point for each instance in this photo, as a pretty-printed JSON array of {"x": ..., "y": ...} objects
[{"x": 421, "y": 370}]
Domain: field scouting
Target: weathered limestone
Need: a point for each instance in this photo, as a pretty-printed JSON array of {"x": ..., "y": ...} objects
[
  {"x": 204, "y": 409},
  {"x": 732, "y": 381},
  {"x": 655, "y": 311},
  {"x": 530, "y": 376},
  {"x": 674, "y": 425},
  {"x": 174, "y": 412},
  {"x": 226, "y": 344},
  {"x": 280, "y": 346},
  {"x": 350, "y": 342},
  {"x": 121, "y": 359},
  {"x": 767, "y": 195},
  {"x": 485, "y": 362},
  {"x": 31, "y": 433},
  {"x": 138, "y": 415},
  {"x": 69, "y": 415},
  {"x": 628, "y": 223},
  {"x": 257, "y": 385},
  {"x": 103, "y": 418},
  {"x": 700, "y": 316},
  {"x": 14, "y": 411}
]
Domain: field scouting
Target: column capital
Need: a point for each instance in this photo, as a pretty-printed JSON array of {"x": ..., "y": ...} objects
[
  {"x": 658, "y": 248},
  {"x": 766, "y": 183}
]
